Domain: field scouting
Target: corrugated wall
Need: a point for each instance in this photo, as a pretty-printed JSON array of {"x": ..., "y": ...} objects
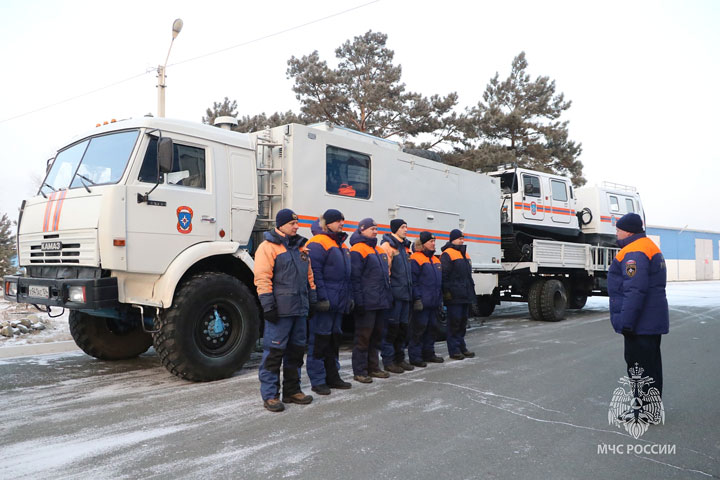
[{"x": 689, "y": 254}]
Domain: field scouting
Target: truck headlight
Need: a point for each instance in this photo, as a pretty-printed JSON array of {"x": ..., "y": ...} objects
[
  {"x": 11, "y": 289},
  {"x": 76, "y": 294}
]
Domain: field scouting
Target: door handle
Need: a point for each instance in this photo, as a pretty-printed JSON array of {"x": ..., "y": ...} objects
[{"x": 205, "y": 218}]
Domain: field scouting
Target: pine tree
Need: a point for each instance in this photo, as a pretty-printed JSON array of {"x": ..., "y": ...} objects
[
  {"x": 518, "y": 121},
  {"x": 365, "y": 92},
  {"x": 7, "y": 246},
  {"x": 226, "y": 108}
]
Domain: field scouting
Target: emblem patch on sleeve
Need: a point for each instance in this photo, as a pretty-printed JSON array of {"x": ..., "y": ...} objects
[{"x": 631, "y": 268}]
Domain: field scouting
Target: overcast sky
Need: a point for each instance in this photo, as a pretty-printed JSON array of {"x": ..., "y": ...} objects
[{"x": 642, "y": 76}]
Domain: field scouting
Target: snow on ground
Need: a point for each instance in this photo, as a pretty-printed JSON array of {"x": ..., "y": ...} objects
[{"x": 56, "y": 329}]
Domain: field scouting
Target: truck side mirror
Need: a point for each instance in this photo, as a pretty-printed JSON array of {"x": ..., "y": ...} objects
[{"x": 165, "y": 154}]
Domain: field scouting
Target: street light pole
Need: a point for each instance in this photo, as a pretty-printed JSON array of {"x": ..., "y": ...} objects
[{"x": 177, "y": 26}]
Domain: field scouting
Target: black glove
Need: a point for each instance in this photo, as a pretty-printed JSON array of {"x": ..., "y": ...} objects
[
  {"x": 271, "y": 315},
  {"x": 322, "y": 306},
  {"x": 417, "y": 305},
  {"x": 628, "y": 332}
]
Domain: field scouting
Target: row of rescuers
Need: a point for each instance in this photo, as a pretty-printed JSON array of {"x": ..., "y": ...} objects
[{"x": 395, "y": 294}]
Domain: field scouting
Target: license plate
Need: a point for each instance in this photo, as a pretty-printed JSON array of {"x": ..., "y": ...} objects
[{"x": 38, "y": 291}]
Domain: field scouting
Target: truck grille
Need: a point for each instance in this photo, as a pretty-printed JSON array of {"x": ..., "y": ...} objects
[{"x": 65, "y": 248}]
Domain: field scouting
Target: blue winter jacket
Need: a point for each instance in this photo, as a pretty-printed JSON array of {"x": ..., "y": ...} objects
[
  {"x": 427, "y": 278},
  {"x": 458, "y": 285},
  {"x": 330, "y": 260},
  {"x": 400, "y": 273},
  {"x": 283, "y": 275},
  {"x": 370, "y": 274},
  {"x": 636, "y": 285}
]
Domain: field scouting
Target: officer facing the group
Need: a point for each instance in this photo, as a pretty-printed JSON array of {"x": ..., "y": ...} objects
[
  {"x": 330, "y": 261},
  {"x": 286, "y": 289},
  {"x": 397, "y": 247},
  {"x": 638, "y": 305},
  {"x": 458, "y": 293},
  {"x": 372, "y": 295},
  {"x": 427, "y": 294}
]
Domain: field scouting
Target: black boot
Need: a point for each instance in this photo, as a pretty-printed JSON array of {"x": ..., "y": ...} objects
[
  {"x": 291, "y": 368},
  {"x": 332, "y": 376}
]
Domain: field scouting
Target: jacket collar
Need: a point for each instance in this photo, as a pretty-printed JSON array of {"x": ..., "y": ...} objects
[
  {"x": 460, "y": 248},
  {"x": 358, "y": 237},
  {"x": 276, "y": 236},
  {"x": 395, "y": 241},
  {"x": 627, "y": 241},
  {"x": 339, "y": 237}
]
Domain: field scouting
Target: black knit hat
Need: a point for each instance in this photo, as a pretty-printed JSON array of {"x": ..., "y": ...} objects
[
  {"x": 426, "y": 237},
  {"x": 285, "y": 216},
  {"x": 332, "y": 216},
  {"x": 366, "y": 223},
  {"x": 396, "y": 224},
  {"x": 630, "y": 222},
  {"x": 455, "y": 234}
]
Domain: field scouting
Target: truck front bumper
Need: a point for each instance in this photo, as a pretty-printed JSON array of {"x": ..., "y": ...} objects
[{"x": 75, "y": 293}]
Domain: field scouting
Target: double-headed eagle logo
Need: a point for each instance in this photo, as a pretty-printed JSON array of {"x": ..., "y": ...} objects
[{"x": 637, "y": 408}]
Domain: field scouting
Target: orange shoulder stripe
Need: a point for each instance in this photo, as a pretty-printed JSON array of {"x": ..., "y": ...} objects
[
  {"x": 326, "y": 242},
  {"x": 363, "y": 249},
  {"x": 644, "y": 245},
  {"x": 420, "y": 258}
]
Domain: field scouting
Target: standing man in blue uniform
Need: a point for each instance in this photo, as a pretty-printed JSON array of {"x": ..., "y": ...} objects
[
  {"x": 458, "y": 293},
  {"x": 330, "y": 261},
  {"x": 427, "y": 294},
  {"x": 638, "y": 304},
  {"x": 372, "y": 295},
  {"x": 397, "y": 247},
  {"x": 286, "y": 289}
]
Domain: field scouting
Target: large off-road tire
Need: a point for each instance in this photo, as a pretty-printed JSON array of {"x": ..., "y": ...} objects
[
  {"x": 101, "y": 338},
  {"x": 441, "y": 320},
  {"x": 484, "y": 307},
  {"x": 210, "y": 330},
  {"x": 553, "y": 302},
  {"x": 534, "y": 298},
  {"x": 577, "y": 300}
]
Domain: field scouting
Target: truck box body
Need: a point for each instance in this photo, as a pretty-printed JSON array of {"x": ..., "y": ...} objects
[{"x": 386, "y": 183}]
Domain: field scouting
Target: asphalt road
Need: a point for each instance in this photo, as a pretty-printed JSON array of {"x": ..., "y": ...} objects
[{"x": 532, "y": 404}]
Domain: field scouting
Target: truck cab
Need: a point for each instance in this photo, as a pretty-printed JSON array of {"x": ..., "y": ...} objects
[
  {"x": 535, "y": 205},
  {"x": 601, "y": 206},
  {"x": 129, "y": 216}
]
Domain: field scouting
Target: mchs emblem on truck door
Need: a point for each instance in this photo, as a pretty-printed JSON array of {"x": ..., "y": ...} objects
[{"x": 184, "y": 215}]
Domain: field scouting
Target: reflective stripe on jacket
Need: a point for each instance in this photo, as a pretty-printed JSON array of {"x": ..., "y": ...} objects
[
  {"x": 398, "y": 252},
  {"x": 427, "y": 279},
  {"x": 283, "y": 276},
  {"x": 457, "y": 283},
  {"x": 370, "y": 273},
  {"x": 331, "y": 268},
  {"x": 636, "y": 286}
]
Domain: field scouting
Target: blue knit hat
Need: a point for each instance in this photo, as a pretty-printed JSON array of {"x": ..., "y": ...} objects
[
  {"x": 425, "y": 237},
  {"x": 366, "y": 223},
  {"x": 331, "y": 215},
  {"x": 455, "y": 234},
  {"x": 630, "y": 222},
  {"x": 396, "y": 223},
  {"x": 285, "y": 216}
]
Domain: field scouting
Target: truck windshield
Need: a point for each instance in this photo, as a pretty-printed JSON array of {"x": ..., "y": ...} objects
[{"x": 94, "y": 161}]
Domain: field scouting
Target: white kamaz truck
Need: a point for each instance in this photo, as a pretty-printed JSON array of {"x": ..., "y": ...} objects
[{"x": 145, "y": 229}]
